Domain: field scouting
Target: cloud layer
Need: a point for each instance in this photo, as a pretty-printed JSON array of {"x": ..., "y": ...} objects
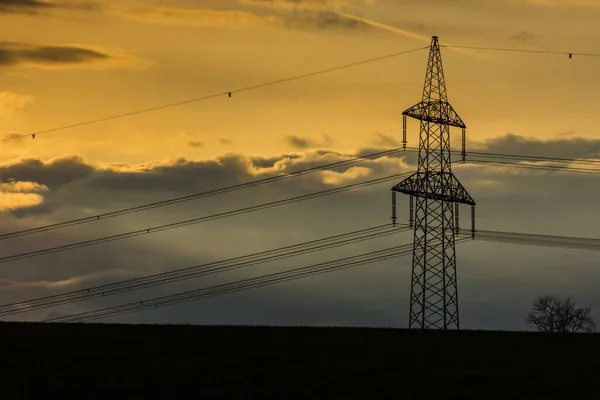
[
  {"x": 508, "y": 199},
  {"x": 12, "y": 54},
  {"x": 15, "y": 195},
  {"x": 280, "y": 14},
  {"x": 23, "y": 5}
]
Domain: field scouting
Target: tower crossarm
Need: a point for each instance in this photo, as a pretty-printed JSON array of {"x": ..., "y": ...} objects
[
  {"x": 435, "y": 185},
  {"x": 438, "y": 111}
]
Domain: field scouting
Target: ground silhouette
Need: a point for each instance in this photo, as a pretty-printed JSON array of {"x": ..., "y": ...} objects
[{"x": 162, "y": 361}]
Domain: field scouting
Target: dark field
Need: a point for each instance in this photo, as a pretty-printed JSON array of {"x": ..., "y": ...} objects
[{"x": 84, "y": 361}]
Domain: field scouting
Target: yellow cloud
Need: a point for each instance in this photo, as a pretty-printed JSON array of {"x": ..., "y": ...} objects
[
  {"x": 66, "y": 283},
  {"x": 387, "y": 27},
  {"x": 412, "y": 35},
  {"x": 292, "y": 4},
  {"x": 11, "y": 102},
  {"x": 175, "y": 16},
  {"x": 13, "y": 186},
  {"x": 20, "y": 194},
  {"x": 336, "y": 178},
  {"x": 14, "y": 201}
]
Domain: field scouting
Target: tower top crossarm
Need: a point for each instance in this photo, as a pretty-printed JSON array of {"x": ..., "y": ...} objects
[{"x": 434, "y": 106}]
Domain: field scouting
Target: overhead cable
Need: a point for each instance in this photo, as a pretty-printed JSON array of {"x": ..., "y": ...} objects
[
  {"x": 525, "y": 157},
  {"x": 564, "y": 53},
  {"x": 201, "y": 270},
  {"x": 569, "y": 242},
  {"x": 197, "y": 196},
  {"x": 187, "y": 222},
  {"x": 510, "y": 237},
  {"x": 302, "y": 172},
  {"x": 244, "y": 284},
  {"x": 560, "y": 168},
  {"x": 212, "y": 96},
  {"x": 282, "y": 253}
]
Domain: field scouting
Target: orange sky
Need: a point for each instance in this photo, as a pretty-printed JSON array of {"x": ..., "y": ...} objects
[
  {"x": 170, "y": 51},
  {"x": 70, "y": 61}
]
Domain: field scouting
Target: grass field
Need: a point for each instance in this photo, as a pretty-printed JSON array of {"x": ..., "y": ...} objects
[{"x": 93, "y": 360}]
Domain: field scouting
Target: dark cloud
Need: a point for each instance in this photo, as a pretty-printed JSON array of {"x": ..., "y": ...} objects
[
  {"x": 302, "y": 14},
  {"x": 301, "y": 143},
  {"x": 24, "y": 5},
  {"x": 225, "y": 141},
  {"x": 53, "y": 174},
  {"x": 376, "y": 295},
  {"x": 383, "y": 140},
  {"x": 18, "y": 53},
  {"x": 195, "y": 143},
  {"x": 321, "y": 19},
  {"x": 523, "y": 37},
  {"x": 571, "y": 147},
  {"x": 271, "y": 161},
  {"x": 41, "y": 6}
]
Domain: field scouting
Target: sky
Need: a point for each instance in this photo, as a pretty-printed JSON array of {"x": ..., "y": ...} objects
[{"x": 64, "y": 62}]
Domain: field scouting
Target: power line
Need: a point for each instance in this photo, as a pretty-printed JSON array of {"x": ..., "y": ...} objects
[
  {"x": 188, "y": 273},
  {"x": 206, "y": 218},
  {"x": 212, "y": 96},
  {"x": 538, "y": 167},
  {"x": 200, "y": 270},
  {"x": 196, "y": 196},
  {"x": 510, "y": 237},
  {"x": 253, "y": 87},
  {"x": 535, "y": 239},
  {"x": 564, "y": 53},
  {"x": 311, "y": 270},
  {"x": 306, "y": 171},
  {"x": 570, "y": 242},
  {"x": 520, "y": 156},
  {"x": 533, "y": 158}
]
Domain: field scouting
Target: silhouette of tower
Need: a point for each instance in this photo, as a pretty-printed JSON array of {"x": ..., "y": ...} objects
[{"x": 434, "y": 292}]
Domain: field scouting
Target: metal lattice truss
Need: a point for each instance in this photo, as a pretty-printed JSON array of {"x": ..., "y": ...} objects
[
  {"x": 436, "y": 186},
  {"x": 438, "y": 112},
  {"x": 434, "y": 294}
]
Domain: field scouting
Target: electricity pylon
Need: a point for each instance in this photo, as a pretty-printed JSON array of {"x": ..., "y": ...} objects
[{"x": 434, "y": 292}]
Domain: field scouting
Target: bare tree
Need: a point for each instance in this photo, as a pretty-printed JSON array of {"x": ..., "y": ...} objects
[{"x": 550, "y": 314}]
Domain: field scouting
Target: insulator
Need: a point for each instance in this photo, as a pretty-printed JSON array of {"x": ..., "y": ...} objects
[
  {"x": 456, "y": 223},
  {"x": 570, "y": 55},
  {"x": 410, "y": 217},
  {"x": 464, "y": 145},
  {"x": 473, "y": 222},
  {"x": 404, "y": 132},
  {"x": 394, "y": 208}
]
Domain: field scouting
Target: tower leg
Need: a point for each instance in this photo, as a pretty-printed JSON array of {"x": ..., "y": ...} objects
[{"x": 434, "y": 293}]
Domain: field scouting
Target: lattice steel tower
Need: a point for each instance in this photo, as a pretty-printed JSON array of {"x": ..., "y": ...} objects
[{"x": 434, "y": 292}]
